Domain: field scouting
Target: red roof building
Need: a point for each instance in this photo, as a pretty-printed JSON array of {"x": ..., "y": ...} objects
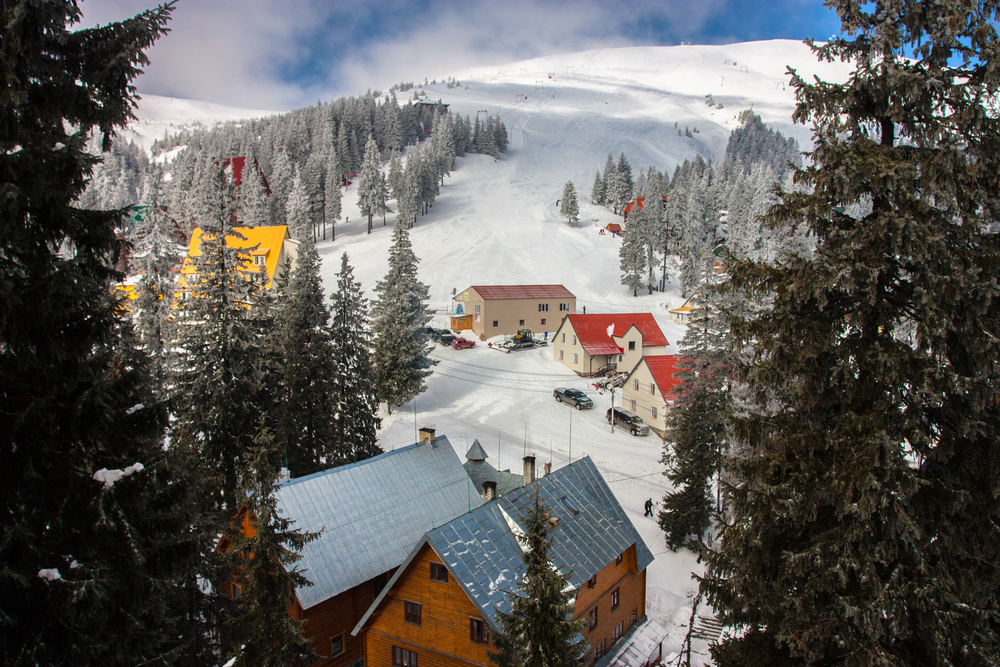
[
  {"x": 597, "y": 343},
  {"x": 649, "y": 390}
]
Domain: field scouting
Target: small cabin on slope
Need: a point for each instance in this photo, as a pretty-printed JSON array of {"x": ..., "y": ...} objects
[
  {"x": 371, "y": 514},
  {"x": 267, "y": 250},
  {"x": 494, "y": 310},
  {"x": 598, "y": 343},
  {"x": 439, "y": 609}
]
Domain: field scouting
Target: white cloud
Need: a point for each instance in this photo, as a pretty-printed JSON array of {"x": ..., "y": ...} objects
[{"x": 280, "y": 55}]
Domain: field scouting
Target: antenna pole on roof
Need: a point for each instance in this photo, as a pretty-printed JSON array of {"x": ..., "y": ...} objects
[
  {"x": 498, "y": 452},
  {"x": 570, "y": 436},
  {"x": 525, "y": 440},
  {"x": 416, "y": 435}
]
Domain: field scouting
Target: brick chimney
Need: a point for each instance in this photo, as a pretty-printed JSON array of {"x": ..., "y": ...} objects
[
  {"x": 427, "y": 434},
  {"x": 489, "y": 491},
  {"x": 547, "y": 468},
  {"x": 529, "y": 469}
]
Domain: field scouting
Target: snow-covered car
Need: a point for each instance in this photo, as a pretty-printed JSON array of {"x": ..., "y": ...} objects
[
  {"x": 462, "y": 343},
  {"x": 574, "y": 397},
  {"x": 629, "y": 420},
  {"x": 446, "y": 338}
]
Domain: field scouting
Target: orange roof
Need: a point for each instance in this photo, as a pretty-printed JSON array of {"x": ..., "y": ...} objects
[
  {"x": 268, "y": 239},
  {"x": 523, "y": 292},
  {"x": 592, "y": 330}
]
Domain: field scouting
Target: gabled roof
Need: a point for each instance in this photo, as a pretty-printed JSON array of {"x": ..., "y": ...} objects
[
  {"x": 686, "y": 307},
  {"x": 662, "y": 368},
  {"x": 481, "y": 471},
  {"x": 268, "y": 239},
  {"x": 482, "y": 553},
  {"x": 592, "y": 330},
  {"x": 372, "y": 512},
  {"x": 523, "y": 292}
]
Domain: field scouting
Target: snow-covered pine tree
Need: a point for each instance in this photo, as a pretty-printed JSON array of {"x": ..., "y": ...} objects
[
  {"x": 84, "y": 578},
  {"x": 254, "y": 208},
  {"x": 400, "y": 351},
  {"x": 353, "y": 394},
  {"x": 864, "y": 526},
  {"x": 368, "y": 182},
  {"x": 333, "y": 200},
  {"x": 539, "y": 630},
  {"x": 623, "y": 184},
  {"x": 408, "y": 201},
  {"x": 263, "y": 565},
  {"x": 297, "y": 209},
  {"x": 313, "y": 178},
  {"x": 696, "y": 437},
  {"x": 282, "y": 177},
  {"x": 221, "y": 388},
  {"x": 300, "y": 339},
  {"x": 568, "y": 207},
  {"x": 597, "y": 191},
  {"x": 395, "y": 179},
  {"x": 500, "y": 135},
  {"x": 632, "y": 256}
]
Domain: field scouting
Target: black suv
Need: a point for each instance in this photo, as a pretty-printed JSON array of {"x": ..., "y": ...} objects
[
  {"x": 628, "y": 420},
  {"x": 574, "y": 397}
]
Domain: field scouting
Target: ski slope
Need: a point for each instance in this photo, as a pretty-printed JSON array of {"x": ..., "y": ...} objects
[{"x": 495, "y": 222}]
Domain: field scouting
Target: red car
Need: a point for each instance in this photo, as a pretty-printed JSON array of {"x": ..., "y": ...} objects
[{"x": 461, "y": 343}]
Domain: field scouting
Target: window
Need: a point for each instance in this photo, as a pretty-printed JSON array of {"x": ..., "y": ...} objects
[
  {"x": 652, "y": 411},
  {"x": 560, "y": 355},
  {"x": 631, "y": 345},
  {"x": 185, "y": 296},
  {"x": 520, "y": 323},
  {"x": 543, "y": 321},
  {"x": 616, "y": 634},
  {"x": 259, "y": 260},
  {"x": 576, "y": 358},
  {"x": 568, "y": 505},
  {"x": 411, "y": 612},
  {"x": 479, "y": 632},
  {"x": 615, "y": 598},
  {"x": 574, "y": 340},
  {"x": 563, "y": 338},
  {"x": 496, "y": 323},
  {"x": 592, "y": 581},
  {"x": 621, "y": 557},
  {"x": 632, "y": 622},
  {"x": 600, "y": 649},
  {"x": 477, "y": 307},
  {"x": 652, "y": 389},
  {"x": 563, "y": 306},
  {"x": 439, "y": 573},
  {"x": 336, "y": 646},
  {"x": 543, "y": 307},
  {"x": 635, "y": 384},
  {"x": 620, "y": 357},
  {"x": 592, "y": 619},
  {"x": 236, "y": 590},
  {"x": 403, "y": 658},
  {"x": 631, "y": 404}
]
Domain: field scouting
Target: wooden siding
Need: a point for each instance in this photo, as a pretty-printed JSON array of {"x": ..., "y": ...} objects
[
  {"x": 442, "y": 639},
  {"x": 631, "y": 586},
  {"x": 337, "y": 616}
]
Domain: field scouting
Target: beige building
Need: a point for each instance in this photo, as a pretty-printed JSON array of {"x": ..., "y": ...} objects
[
  {"x": 494, "y": 310},
  {"x": 682, "y": 314},
  {"x": 597, "y": 343},
  {"x": 649, "y": 390}
]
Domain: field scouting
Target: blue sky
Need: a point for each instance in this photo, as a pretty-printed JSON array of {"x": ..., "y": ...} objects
[{"x": 271, "y": 54}]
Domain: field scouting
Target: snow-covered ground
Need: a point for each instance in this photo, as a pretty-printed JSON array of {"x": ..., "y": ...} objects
[{"x": 496, "y": 222}]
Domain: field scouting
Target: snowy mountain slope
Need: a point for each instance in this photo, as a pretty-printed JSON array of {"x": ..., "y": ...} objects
[
  {"x": 156, "y": 115},
  {"x": 496, "y": 222}
]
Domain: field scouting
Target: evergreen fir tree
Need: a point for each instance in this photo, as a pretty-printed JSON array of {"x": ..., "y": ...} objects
[
  {"x": 568, "y": 207},
  {"x": 85, "y": 579},
  {"x": 305, "y": 411},
  {"x": 597, "y": 192},
  {"x": 400, "y": 353},
  {"x": 395, "y": 176},
  {"x": 538, "y": 631},
  {"x": 254, "y": 208},
  {"x": 297, "y": 210},
  {"x": 632, "y": 256},
  {"x": 353, "y": 394},
  {"x": 263, "y": 562},
  {"x": 333, "y": 201},
  {"x": 864, "y": 514},
  {"x": 368, "y": 182},
  {"x": 220, "y": 390}
]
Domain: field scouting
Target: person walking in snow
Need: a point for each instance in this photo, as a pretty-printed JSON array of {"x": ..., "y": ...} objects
[{"x": 649, "y": 507}]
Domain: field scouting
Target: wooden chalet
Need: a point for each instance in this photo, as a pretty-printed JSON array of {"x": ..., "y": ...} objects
[
  {"x": 439, "y": 609},
  {"x": 370, "y": 514}
]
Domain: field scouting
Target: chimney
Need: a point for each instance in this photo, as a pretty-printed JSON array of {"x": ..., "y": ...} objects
[
  {"x": 529, "y": 469},
  {"x": 547, "y": 468},
  {"x": 489, "y": 491},
  {"x": 283, "y": 476},
  {"x": 427, "y": 434}
]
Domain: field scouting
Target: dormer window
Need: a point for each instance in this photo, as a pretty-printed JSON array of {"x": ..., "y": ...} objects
[
  {"x": 631, "y": 345},
  {"x": 259, "y": 260}
]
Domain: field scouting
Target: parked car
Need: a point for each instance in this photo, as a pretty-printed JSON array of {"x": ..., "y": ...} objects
[
  {"x": 446, "y": 338},
  {"x": 629, "y": 420},
  {"x": 574, "y": 397},
  {"x": 437, "y": 333},
  {"x": 462, "y": 343}
]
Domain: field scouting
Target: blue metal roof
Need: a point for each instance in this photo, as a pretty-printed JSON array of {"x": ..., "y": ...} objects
[
  {"x": 482, "y": 552},
  {"x": 372, "y": 512}
]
